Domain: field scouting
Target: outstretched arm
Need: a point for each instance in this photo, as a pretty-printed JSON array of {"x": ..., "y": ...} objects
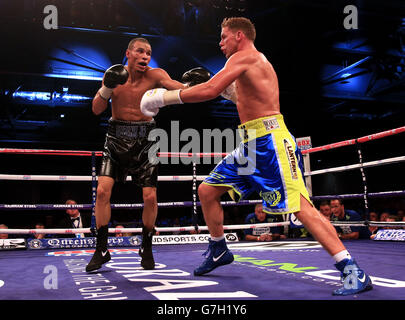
[
  {"x": 216, "y": 85},
  {"x": 154, "y": 99},
  {"x": 165, "y": 81}
]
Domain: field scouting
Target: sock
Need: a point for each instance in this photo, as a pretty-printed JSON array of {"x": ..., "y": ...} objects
[
  {"x": 218, "y": 238},
  {"x": 341, "y": 256}
]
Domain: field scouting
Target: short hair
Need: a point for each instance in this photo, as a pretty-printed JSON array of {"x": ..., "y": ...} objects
[
  {"x": 131, "y": 43},
  {"x": 242, "y": 24},
  {"x": 325, "y": 203},
  {"x": 338, "y": 199}
]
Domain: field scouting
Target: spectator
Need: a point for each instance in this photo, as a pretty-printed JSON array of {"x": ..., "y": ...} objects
[
  {"x": 194, "y": 231},
  {"x": 38, "y": 225},
  {"x": 384, "y": 215},
  {"x": 264, "y": 233},
  {"x": 119, "y": 234},
  {"x": 339, "y": 213},
  {"x": 122, "y": 234},
  {"x": 324, "y": 208},
  {"x": 176, "y": 223},
  {"x": 400, "y": 214},
  {"x": 373, "y": 216},
  {"x": 3, "y": 235},
  {"x": 392, "y": 218},
  {"x": 74, "y": 220}
]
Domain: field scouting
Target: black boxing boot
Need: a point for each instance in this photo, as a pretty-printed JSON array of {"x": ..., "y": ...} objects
[
  {"x": 145, "y": 251},
  {"x": 101, "y": 255}
]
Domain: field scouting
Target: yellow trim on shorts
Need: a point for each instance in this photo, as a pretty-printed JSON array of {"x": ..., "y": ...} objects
[
  {"x": 260, "y": 127},
  {"x": 293, "y": 181},
  {"x": 230, "y": 192}
]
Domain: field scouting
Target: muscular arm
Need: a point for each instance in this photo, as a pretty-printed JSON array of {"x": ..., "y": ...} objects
[
  {"x": 235, "y": 66},
  {"x": 99, "y": 104},
  {"x": 165, "y": 81},
  {"x": 114, "y": 76}
]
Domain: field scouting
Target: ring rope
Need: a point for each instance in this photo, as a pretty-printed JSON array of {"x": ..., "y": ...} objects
[
  {"x": 354, "y": 141},
  {"x": 190, "y": 178},
  {"x": 358, "y": 166},
  {"x": 192, "y": 228},
  {"x": 194, "y": 178},
  {"x": 360, "y": 195},
  {"x": 182, "y": 203},
  {"x": 139, "y": 230},
  {"x": 86, "y": 178},
  {"x": 364, "y": 139},
  {"x": 114, "y": 206}
]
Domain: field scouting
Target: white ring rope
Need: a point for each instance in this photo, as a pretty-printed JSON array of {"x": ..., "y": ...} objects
[
  {"x": 85, "y": 178},
  {"x": 199, "y": 178},
  {"x": 356, "y": 166},
  {"x": 200, "y": 228},
  {"x": 139, "y": 230}
]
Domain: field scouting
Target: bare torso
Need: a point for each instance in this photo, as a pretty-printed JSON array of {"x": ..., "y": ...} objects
[
  {"x": 126, "y": 98},
  {"x": 256, "y": 88},
  {"x": 257, "y": 92}
]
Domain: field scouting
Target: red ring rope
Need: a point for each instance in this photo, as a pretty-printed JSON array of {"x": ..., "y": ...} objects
[{"x": 371, "y": 137}]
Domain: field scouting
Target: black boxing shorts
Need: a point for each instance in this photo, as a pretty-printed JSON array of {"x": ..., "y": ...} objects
[{"x": 126, "y": 153}]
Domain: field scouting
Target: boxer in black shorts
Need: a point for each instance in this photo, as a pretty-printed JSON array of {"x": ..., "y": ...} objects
[
  {"x": 126, "y": 147},
  {"x": 126, "y": 151}
]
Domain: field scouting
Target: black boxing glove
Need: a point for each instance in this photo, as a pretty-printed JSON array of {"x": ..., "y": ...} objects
[
  {"x": 195, "y": 76},
  {"x": 114, "y": 76}
]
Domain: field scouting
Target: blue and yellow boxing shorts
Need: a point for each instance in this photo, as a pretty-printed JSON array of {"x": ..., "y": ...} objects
[{"x": 267, "y": 161}]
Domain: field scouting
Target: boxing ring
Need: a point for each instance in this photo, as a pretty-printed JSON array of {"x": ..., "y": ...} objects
[{"x": 292, "y": 269}]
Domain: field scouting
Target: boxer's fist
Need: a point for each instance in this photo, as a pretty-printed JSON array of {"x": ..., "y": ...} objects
[
  {"x": 195, "y": 76},
  {"x": 157, "y": 98},
  {"x": 115, "y": 75}
]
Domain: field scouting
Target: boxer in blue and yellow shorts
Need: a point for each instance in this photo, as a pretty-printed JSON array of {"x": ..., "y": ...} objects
[{"x": 268, "y": 162}]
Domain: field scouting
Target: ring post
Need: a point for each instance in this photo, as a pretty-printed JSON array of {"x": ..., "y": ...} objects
[
  {"x": 93, "y": 227},
  {"x": 364, "y": 179},
  {"x": 194, "y": 191}
]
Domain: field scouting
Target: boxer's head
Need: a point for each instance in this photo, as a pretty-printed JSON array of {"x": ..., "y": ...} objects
[
  {"x": 139, "y": 53},
  {"x": 234, "y": 31}
]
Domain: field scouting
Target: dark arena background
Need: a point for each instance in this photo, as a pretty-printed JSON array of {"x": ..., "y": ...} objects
[{"x": 339, "y": 79}]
